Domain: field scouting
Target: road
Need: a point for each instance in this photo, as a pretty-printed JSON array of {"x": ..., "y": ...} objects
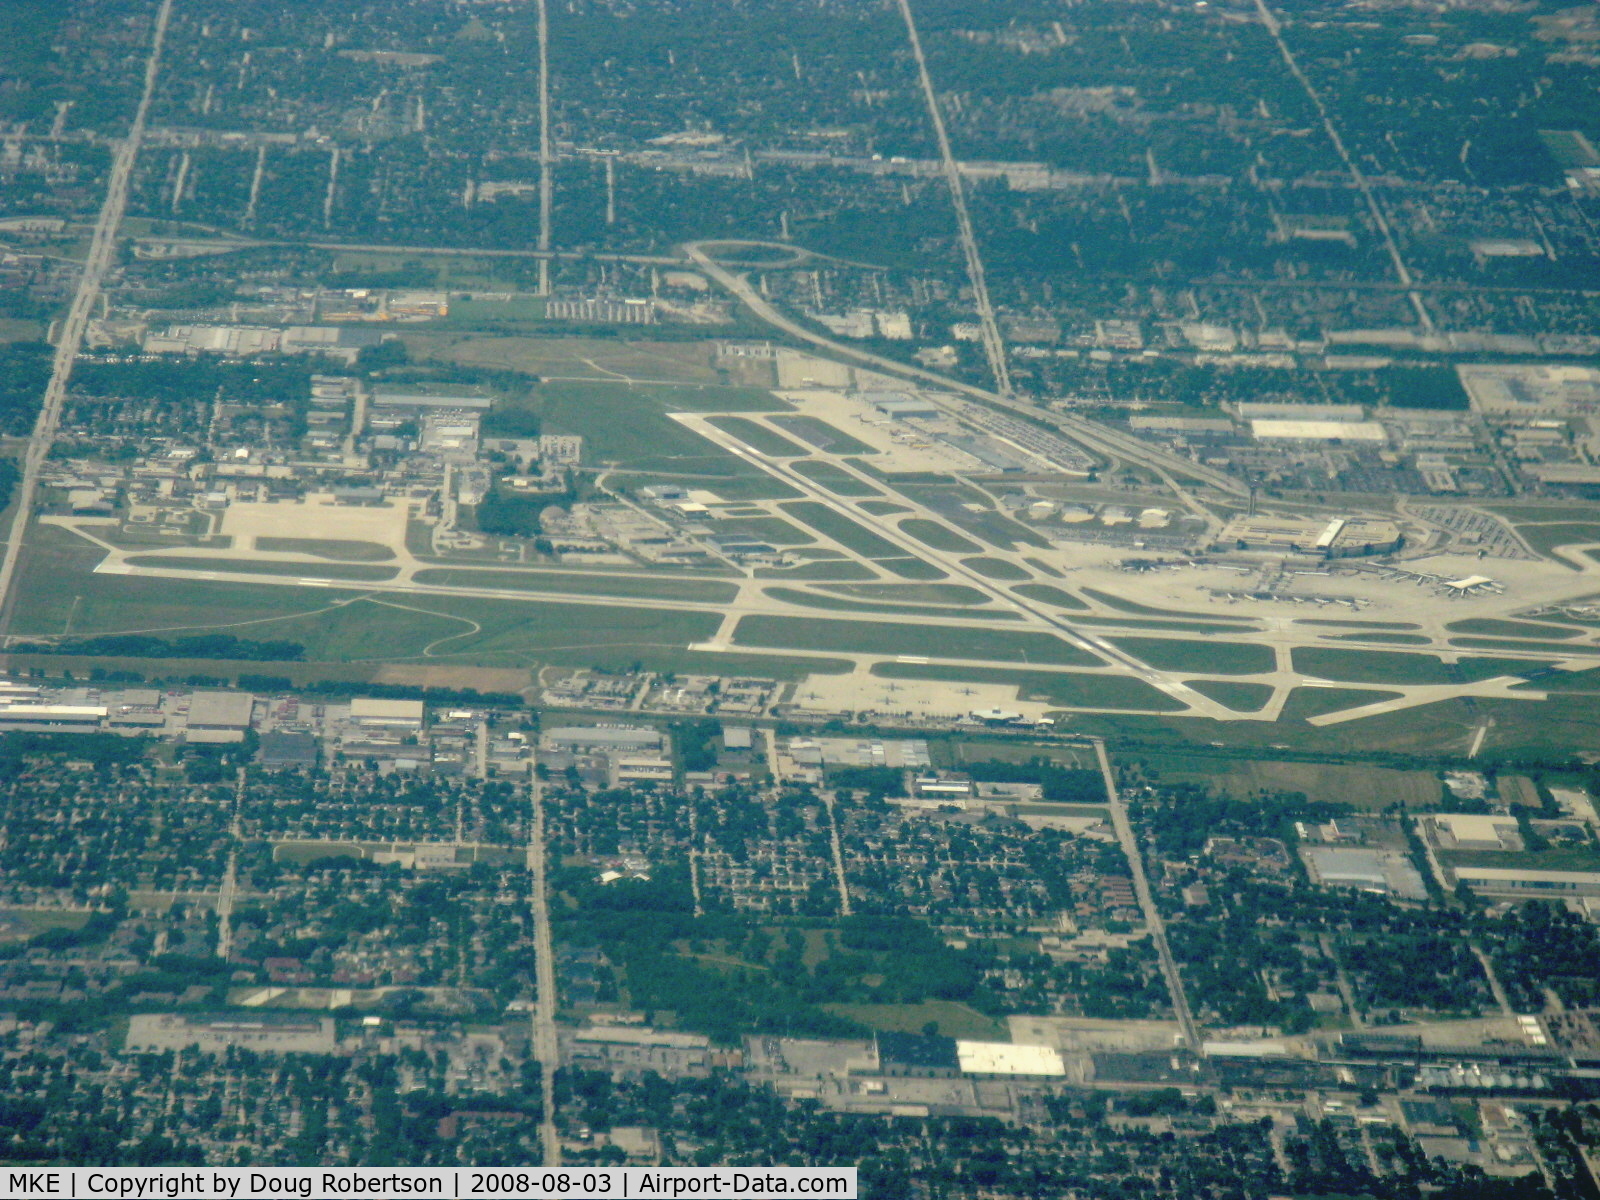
[
  {"x": 546, "y": 1047},
  {"x": 1147, "y": 901},
  {"x": 1097, "y": 436},
  {"x": 229, "y": 890},
  {"x": 993, "y": 346},
  {"x": 544, "y": 148},
  {"x": 102, "y": 250},
  {"x": 1401, "y": 271}
]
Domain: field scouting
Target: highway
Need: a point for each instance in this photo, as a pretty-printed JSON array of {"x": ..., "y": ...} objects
[
  {"x": 993, "y": 347},
  {"x": 102, "y": 250},
  {"x": 1147, "y": 901},
  {"x": 1098, "y": 437},
  {"x": 546, "y": 1046},
  {"x": 544, "y": 148}
]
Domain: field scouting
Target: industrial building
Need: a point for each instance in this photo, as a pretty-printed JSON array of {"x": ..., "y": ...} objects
[
  {"x": 387, "y": 714},
  {"x": 219, "y": 717}
]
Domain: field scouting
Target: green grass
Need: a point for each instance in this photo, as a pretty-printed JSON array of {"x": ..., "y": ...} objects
[
  {"x": 760, "y": 486},
  {"x": 1065, "y": 688},
  {"x": 1557, "y": 858},
  {"x": 835, "y": 479},
  {"x": 882, "y": 508},
  {"x": 1044, "y": 593},
  {"x": 812, "y": 571},
  {"x": 842, "y": 529},
  {"x": 825, "y": 437},
  {"x": 665, "y": 587},
  {"x": 1241, "y": 697},
  {"x": 1480, "y": 643},
  {"x": 773, "y": 530},
  {"x": 1358, "y": 785},
  {"x": 760, "y": 438},
  {"x": 1494, "y": 627},
  {"x": 1388, "y": 666},
  {"x": 1168, "y": 626},
  {"x": 244, "y": 566},
  {"x": 1307, "y": 702},
  {"x": 1357, "y": 624},
  {"x": 839, "y": 604},
  {"x": 995, "y": 568},
  {"x": 1387, "y": 639},
  {"x": 931, "y": 533},
  {"x": 914, "y": 593},
  {"x": 912, "y": 568},
  {"x": 928, "y": 638},
  {"x": 1545, "y": 538},
  {"x": 1210, "y": 657},
  {"x": 953, "y": 1019},
  {"x": 628, "y": 423},
  {"x": 1130, "y": 606},
  {"x": 13, "y": 330},
  {"x": 334, "y": 548},
  {"x": 950, "y": 501}
]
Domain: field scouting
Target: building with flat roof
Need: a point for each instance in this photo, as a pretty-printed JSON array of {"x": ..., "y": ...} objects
[
  {"x": 1471, "y": 831},
  {"x": 1369, "y": 870},
  {"x": 392, "y": 714},
  {"x": 579, "y": 739},
  {"x": 52, "y": 718},
  {"x": 1527, "y": 884},
  {"x": 221, "y": 710},
  {"x": 157, "y": 1033},
  {"x": 626, "y": 1050},
  {"x": 1004, "y": 1060},
  {"x": 919, "y": 1054}
]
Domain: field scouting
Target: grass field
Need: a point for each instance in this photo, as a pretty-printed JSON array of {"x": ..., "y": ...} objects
[
  {"x": 628, "y": 423},
  {"x": 825, "y": 437},
  {"x": 1241, "y": 697},
  {"x": 666, "y": 587},
  {"x": 837, "y": 481},
  {"x": 842, "y": 529},
  {"x": 1130, "y": 606},
  {"x": 1356, "y": 624},
  {"x": 760, "y": 438},
  {"x": 13, "y": 330},
  {"x": 338, "y": 549},
  {"x": 1044, "y": 593},
  {"x": 914, "y": 593},
  {"x": 951, "y": 1018},
  {"x": 1359, "y": 786},
  {"x": 1200, "y": 656},
  {"x": 1068, "y": 689},
  {"x": 18, "y": 924},
  {"x": 1483, "y": 643},
  {"x": 1493, "y": 627},
  {"x": 911, "y": 568},
  {"x": 758, "y": 486},
  {"x": 931, "y": 533},
  {"x": 1557, "y": 858},
  {"x": 1386, "y": 639},
  {"x": 772, "y": 530},
  {"x": 874, "y": 637},
  {"x": 565, "y": 357},
  {"x": 882, "y": 508},
  {"x": 813, "y": 571},
  {"x": 1307, "y": 702},
  {"x": 1389, "y": 666},
  {"x": 1167, "y": 626},
  {"x": 245, "y": 566},
  {"x": 1545, "y": 538},
  {"x": 840, "y": 604},
  {"x": 995, "y": 568}
]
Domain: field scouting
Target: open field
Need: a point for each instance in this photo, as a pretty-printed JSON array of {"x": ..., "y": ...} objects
[
  {"x": 842, "y": 529},
  {"x": 840, "y": 604},
  {"x": 931, "y": 533},
  {"x": 664, "y": 587},
  {"x": 1388, "y": 666},
  {"x": 995, "y": 568},
  {"x": 1118, "y": 604},
  {"x": 1491, "y": 627},
  {"x": 565, "y": 357},
  {"x": 1359, "y": 786},
  {"x": 338, "y": 549},
  {"x": 1240, "y": 697},
  {"x": 760, "y": 438},
  {"x": 872, "y": 637},
  {"x": 1546, "y": 537},
  {"x": 837, "y": 481},
  {"x": 19, "y": 924},
  {"x": 826, "y": 570},
  {"x": 245, "y": 566},
  {"x": 825, "y": 437},
  {"x": 1210, "y": 657},
  {"x": 1068, "y": 689},
  {"x": 950, "y": 1018},
  {"x": 1046, "y": 593},
  {"x": 913, "y": 593}
]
